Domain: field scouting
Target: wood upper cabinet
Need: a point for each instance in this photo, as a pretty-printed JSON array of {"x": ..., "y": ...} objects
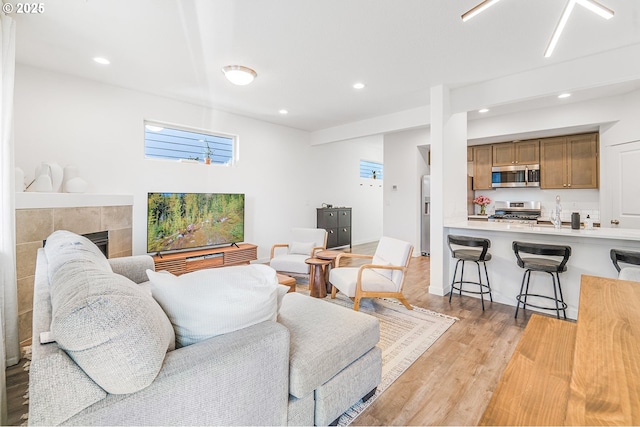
[
  {"x": 516, "y": 153},
  {"x": 569, "y": 162},
  {"x": 482, "y": 162}
]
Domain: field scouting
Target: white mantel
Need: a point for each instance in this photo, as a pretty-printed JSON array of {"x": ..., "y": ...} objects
[{"x": 34, "y": 200}]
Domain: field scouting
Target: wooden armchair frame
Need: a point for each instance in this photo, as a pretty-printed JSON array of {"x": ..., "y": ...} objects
[{"x": 360, "y": 293}]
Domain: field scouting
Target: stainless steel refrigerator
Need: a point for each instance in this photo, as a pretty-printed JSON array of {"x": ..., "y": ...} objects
[{"x": 425, "y": 240}]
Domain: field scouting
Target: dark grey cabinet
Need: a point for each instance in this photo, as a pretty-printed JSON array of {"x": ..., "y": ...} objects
[{"x": 337, "y": 222}]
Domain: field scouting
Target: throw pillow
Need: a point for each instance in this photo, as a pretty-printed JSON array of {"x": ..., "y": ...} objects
[
  {"x": 65, "y": 247},
  {"x": 301, "y": 248},
  {"x": 113, "y": 329},
  {"x": 211, "y": 302}
]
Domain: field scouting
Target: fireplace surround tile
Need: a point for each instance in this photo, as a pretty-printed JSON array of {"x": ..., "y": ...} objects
[{"x": 34, "y": 224}]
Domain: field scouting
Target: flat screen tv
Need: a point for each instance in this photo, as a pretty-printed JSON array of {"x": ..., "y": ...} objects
[{"x": 182, "y": 221}]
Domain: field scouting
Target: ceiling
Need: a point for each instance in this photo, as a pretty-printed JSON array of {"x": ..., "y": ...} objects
[{"x": 308, "y": 53}]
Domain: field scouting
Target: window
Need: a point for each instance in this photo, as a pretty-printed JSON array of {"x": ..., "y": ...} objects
[
  {"x": 370, "y": 169},
  {"x": 163, "y": 142}
]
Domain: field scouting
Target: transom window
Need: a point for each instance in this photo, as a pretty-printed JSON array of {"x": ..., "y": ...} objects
[
  {"x": 170, "y": 142},
  {"x": 369, "y": 169}
]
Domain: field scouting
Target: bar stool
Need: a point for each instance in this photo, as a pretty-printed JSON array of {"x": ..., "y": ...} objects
[
  {"x": 476, "y": 255},
  {"x": 547, "y": 265},
  {"x": 626, "y": 257}
]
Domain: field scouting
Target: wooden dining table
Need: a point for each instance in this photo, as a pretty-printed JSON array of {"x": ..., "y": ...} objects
[{"x": 582, "y": 373}]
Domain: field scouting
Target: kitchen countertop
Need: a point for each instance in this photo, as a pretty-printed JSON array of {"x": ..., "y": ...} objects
[{"x": 597, "y": 233}]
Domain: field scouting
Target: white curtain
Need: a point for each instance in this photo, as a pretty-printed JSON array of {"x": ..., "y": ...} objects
[{"x": 10, "y": 348}]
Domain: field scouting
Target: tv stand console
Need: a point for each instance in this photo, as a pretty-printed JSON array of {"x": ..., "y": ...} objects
[{"x": 185, "y": 262}]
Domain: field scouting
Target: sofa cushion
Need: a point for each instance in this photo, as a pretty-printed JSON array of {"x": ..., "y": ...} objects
[
  {"x": 110, "y": 327},
  {"x": 325, "y": 338},
  {"x": 215, "y": 301}
]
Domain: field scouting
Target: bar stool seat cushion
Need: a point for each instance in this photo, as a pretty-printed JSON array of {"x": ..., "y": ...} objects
[
  {"x": 630, "y": 273},
  {"x": 470, "y": 255},
  {"x": 542, "y": 264}
]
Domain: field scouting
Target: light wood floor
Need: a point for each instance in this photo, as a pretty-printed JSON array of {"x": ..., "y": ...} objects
[{"x": 450, "y": 384}]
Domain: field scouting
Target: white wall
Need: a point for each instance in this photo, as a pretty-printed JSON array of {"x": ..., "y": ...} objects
[
  {"x": 99, "y": 128},
  {"x": 336, "y": 180},
  {"x": 404, "y": 167}
]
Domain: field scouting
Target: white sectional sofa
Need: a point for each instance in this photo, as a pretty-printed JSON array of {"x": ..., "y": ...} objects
[{"x": 104, "y": 353}]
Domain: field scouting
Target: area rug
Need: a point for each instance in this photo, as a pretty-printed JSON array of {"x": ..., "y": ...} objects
[{"x": 404, "y": 336}]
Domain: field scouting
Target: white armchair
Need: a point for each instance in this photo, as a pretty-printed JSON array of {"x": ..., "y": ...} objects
[
  {"x": 303, "y": 244},
  {"x": 383, "y": 277}
]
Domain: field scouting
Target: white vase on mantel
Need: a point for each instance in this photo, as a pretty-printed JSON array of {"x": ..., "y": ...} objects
[{"x": 72, "y": 182}]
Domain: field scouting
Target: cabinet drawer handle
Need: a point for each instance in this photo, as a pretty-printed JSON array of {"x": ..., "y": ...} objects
[
  {"x": 330, "y": 231},
  {"x": 330, "y": 213}
]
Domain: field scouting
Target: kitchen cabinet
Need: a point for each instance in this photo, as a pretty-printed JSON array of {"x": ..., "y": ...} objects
[
  {"x": 482, "y": 163},
  {"x": 337, "y": 222},
  {"x": 469, "y": 154},
  {"x": 569, "y": 162},
  {"x": 516, "y": 153}
]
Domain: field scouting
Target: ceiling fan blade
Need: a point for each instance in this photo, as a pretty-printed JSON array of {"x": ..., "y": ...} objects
[{"x": 477, "y": 9}]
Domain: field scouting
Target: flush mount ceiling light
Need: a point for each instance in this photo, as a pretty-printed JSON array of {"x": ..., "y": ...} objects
[
  {"x": 483, "y": 110},
  {"x": 358, "y": 85},
  {"x": 102, "y": 61},
  {"x": 283, "y": 111},
  {"x": 239, "y": 75},
  {"x": 564, "y": 95},
  {"x": 592, "y": 5}
]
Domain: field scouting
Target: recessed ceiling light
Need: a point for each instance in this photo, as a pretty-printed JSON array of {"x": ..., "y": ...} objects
[
  {"x": 483, "y": 110},
  {"x": 154, "y": 128},
  {"x": 358, "y": 85},
  {"x": 100, "y": 60},
  {"x": 283, "y": 111},
  {"x": 564, "y": 95},
  {"x": 239, "y": 75}
]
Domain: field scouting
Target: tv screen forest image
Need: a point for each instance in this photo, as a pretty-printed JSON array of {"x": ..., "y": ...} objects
[{"x": 190, "y": 220}]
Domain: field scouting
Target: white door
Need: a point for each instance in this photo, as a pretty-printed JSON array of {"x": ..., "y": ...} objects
[{"x": 624, "y": 167}]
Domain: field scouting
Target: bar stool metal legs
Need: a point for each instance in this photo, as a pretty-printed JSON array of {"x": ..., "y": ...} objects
[
  {"x": 560, "y": 305},
  {"x": 546, "y": 265},
  {"x": 476, "y": 255}
]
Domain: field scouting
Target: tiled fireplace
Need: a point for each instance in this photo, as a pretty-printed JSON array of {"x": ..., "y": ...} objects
[{"x": 40, "y": 214}]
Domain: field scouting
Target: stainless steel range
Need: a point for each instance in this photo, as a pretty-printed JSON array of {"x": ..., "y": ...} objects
[{"x": 516, "y": 212}]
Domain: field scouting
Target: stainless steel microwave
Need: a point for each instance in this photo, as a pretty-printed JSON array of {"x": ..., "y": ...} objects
[{"x": 515, "y": 176}]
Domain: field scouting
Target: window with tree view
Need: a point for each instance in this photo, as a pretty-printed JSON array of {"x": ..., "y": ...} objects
[{"x": 173, "y": 143}]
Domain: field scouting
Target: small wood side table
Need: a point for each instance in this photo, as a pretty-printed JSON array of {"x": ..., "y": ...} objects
[
  {"x": 331, "y": 256},
  {"x": 288, "y": 281},
  {"x": 317, "y": 284}
]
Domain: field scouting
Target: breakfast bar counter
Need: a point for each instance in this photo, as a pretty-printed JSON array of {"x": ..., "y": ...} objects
[{"x": 589, "y": 256}]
